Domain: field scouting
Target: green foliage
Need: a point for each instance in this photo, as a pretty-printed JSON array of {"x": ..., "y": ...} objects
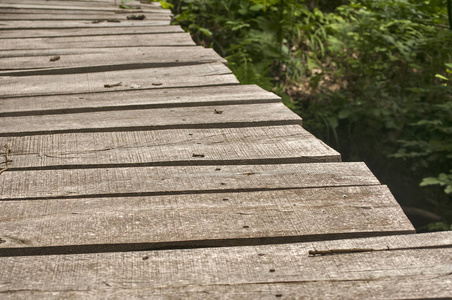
[{"x": 367, "y": 76}]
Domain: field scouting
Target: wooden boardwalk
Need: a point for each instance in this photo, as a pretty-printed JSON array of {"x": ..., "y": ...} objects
[{"x": 135, "y": 166}]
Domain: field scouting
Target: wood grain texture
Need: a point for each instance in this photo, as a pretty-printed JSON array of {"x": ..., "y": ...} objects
[
  {"x": 129, "y": 181},
  {"x": 37, "y": 25},
  {"x": 420, "y": 268},
  {"x": 152, "y": 119},
  {"x": 132, "y": 223},
  {"x": 245, "y": 145},
  {"x": 108, "y": 59},
  {"x": 67, "y": 32},
  {"x": 136, "y": 99},
  {"x": 83, "y": 11},
  {"x": 140, "y": 40},
  {"x": 154, "y": 78},
  {"x": 75, "y": 5},
  {"x": 37, "y": 10},
  {"x": 58, "y": 17}
]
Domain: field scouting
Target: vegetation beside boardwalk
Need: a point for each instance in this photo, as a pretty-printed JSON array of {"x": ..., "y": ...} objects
[{"x": 370, "y": 78}]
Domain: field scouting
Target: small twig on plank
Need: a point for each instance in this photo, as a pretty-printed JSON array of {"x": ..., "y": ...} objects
[
  {"x": 55, "y": 58},
  {"x": 112, "y": 85},
  {"x": 339, "y": 251},
  {"x": 7, "y": 159}
]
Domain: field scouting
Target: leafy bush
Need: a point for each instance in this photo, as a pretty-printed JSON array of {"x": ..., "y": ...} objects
[{"x": 367, "y": 76}]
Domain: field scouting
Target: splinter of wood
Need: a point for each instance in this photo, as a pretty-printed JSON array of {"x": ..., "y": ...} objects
[
  {"x": 55, "y": 58},
  {"x": 339, "y": 251},
  {"x": 113, "y": 84},
  {"x": 7, "y": 160}
]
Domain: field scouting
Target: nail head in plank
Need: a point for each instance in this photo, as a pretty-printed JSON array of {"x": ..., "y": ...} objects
[
  {"x": 128, "y": 181},
  {"x": 243, "y": 272}
]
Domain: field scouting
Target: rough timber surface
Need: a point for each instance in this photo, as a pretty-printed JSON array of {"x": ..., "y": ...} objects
[
  {"x": 151, "y": 119},
  {"x": 37, "y": 25},
  {"x": 67, "y": 32},
  {"x": 244, "y": 145},
  {"x": 106, "y": 224},
  {"x": 133, "y": 181},
  {"x": 393, "y": 267},
  {"x": 83, "y": 11},
  {"x": 58, "y": 17},
  {"x": 153, "y": 78},
  {"x": 130, "y": 40},
  {"x": 74, "y": 5},
  {"x": 122, "y": 135},
  {"x": 102, "y": 59},
  {"x": 136, "y": 99}
]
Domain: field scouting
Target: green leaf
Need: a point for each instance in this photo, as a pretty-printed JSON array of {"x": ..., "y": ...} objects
[
  {"x": 206, "y": 31},
  {"x": 441, "y": 77}
]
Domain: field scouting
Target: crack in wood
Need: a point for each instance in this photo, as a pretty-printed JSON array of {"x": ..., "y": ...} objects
[{"x": 7, "y": 161}]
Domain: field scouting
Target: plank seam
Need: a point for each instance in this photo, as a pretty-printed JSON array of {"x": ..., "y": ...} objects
[
  {"x": 184, "y": 192},
  {"x": 196, "y": 244},
  {"x": 135, "y": 107},
  {"x": 123, "y": 90},
  {"x": 158, "y": 127}
]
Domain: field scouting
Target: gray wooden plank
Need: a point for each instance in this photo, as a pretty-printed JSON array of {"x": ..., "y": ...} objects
[
  {"x": 98, "y": 59},
  {"x": 75, "y": 5},
  {"x": 67, "y": 32},
  {"x": 136, "y": 99},
  {"x": 414, "y": 267},
  {"x": 91, "y": 225},
  {"x": 18, "y": 25},
  {"x": 130, "y": 181},
  {"x": 245, "y": 145},
  {"x": 152, "y": 119},
  {"x": 141, "y": 40},
  {"x": 154, "y": 78},
  {"x": 11, "y": 58},
  {"x": 82, "y": 11},
  {"x": 57, "y": 17}
]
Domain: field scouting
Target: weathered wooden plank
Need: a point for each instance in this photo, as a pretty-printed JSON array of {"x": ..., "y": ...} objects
[
  {"x": 98, "y": 59},
  {"x": 152, "y": 119},
  {"x": 140, "y": 40},
  {"x": 132, "y": 181},
  {"x": 245, "y": 145},
  {"x": 82, "y": 11},
  {"x": 414, "y": 267},
  {"x": 80, "y": 17},
  {"x": 136, "y": 99},
  {"x": 65, "y": 32},
  {"x": 90, "y": 225},
  {"x": 18, "y": 25},
  {"x": 11, "y": 58},
  {"x": 155, "y": 78},
  {"x": 75, "y": 5}
]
